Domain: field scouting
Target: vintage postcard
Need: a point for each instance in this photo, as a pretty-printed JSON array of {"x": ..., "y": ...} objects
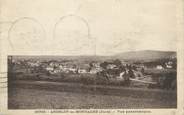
[{"x": 91, "y": 57}]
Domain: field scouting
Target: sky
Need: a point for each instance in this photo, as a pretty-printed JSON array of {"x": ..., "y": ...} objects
[{"x": 92, "y": 27}]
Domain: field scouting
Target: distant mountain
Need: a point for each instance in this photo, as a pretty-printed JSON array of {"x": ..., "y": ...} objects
[{"x": 145, "y": 55}]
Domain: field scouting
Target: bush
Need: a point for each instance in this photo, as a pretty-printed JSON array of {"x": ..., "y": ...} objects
[{"x": 88, "y": 80}]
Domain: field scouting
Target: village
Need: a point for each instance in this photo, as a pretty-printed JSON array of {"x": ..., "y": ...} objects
[
  {"x": 152, "y": 73},
  {"x": 54, "y": 66},
  {"x": 94, "y": 78}
]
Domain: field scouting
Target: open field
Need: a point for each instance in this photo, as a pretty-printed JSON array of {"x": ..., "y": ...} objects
[{"x": 52, "y": 95}]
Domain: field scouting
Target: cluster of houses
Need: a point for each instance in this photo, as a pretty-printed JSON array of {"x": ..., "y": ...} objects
[
  {"x": 68, "y": 67},
  {"x": 93, "y": 67},
  {"x": 170, "y": 64},
  {"x": 54, "y": 66},
  {"x": 108, "y": 69},
  {"x": 167, "y": 65}
]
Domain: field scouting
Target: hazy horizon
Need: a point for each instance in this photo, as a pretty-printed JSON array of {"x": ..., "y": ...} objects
[{"x": 58, "y": 55}]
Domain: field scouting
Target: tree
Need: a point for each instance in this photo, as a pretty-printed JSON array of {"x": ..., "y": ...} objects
[
  {"x": 104, "y": 65},
  {"x": 142, "y": 70},
  {"x": 90, "y": 66},
  {"x": 117, "y": 62}
]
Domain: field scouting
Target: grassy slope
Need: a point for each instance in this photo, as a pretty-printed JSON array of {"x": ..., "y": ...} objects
[{"x": 24, "y": 97}]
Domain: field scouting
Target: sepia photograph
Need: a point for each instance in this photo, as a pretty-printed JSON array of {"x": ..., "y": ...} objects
[{"x": 141, "y": 79}]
